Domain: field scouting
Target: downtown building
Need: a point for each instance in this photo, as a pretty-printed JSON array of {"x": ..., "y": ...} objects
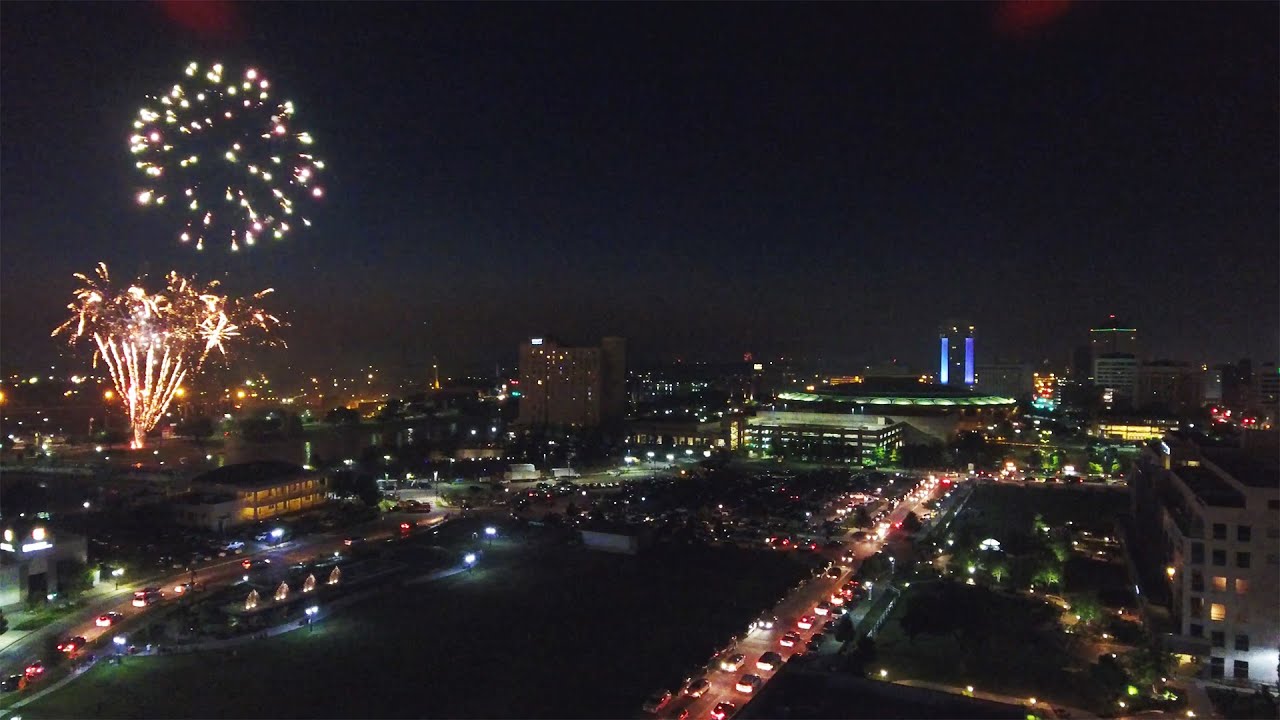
[
  {"x": 955, "y": 356},
  {"x": 1114, "y": 362},
  {"x": 1207, "y": 528},
  {"x": 572, "y": 387}
]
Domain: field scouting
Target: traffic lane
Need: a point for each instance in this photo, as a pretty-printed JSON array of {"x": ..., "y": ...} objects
[
  {"x": 796, "y": 604},
  {"x": 214, "y": 574}
]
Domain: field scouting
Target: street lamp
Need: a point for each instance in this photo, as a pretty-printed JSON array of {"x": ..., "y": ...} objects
[
  {"x": 470, "y": 560},
  {"x": 490, "y": 532},
  {"x": 311, "y": 614},
  {"x": 277, "y": 533}
]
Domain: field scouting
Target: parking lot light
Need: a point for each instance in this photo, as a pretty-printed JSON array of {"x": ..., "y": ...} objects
[{"x": 470, "y": 560}]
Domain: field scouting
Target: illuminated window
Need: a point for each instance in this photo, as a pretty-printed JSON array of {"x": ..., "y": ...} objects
[
  {"x": 1217, "y": 612},
  {"x": 1242, "y": 586},
  {"x": 1219, "y": 584}
]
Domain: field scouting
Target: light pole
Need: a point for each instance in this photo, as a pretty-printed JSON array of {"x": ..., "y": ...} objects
[
  {"x": 311, "y": 615},
  {"x": 470, "y": 560},
  {"x": 489, "y": 533}
]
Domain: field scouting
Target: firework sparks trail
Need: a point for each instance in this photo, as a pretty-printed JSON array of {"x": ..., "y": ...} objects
[
  {"x": 222, "y": 152},
  {"x": 150, "y": 343}
]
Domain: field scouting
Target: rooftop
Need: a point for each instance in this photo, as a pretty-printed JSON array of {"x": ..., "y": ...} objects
[
  {"x": 1254, "y": 469},
  {"x": 1210, "y": 488},
  {"x": 898, "y": 392},
  {"x": 251, "y": 474}
]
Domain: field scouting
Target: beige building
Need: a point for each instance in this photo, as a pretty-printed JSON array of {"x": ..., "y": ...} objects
[
  {"x": 572, "y": 386},
  {"x": 1211, "y": 519},
  {"x": 250, "y": 492}
]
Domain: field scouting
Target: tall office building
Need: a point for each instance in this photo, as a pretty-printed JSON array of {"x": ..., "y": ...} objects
[
  {"x": 955, "y": 359},
  {"x": 572, "y": 386},
  {"x": 1115, "y": 360},
  {"x": 1004, "y": 378},
  {"x": 1112, "y": 337}
]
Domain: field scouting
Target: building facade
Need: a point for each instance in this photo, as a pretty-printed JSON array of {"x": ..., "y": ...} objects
[
  {"x": 36, "y": 561},
  {"x": 955, "y": 358},
  {"x": 250, "y": 492},
  {"x": 1117, "y": 375},
  {"x": 1007, "y": 379},
  {"x": 1176, "y": 385},
  {"x": 852, "y": 438},
  {"x": 1211, "y": 517},
  {"x": 578, "y": 387}
]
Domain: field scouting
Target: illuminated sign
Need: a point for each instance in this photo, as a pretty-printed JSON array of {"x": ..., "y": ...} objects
[
  {"x": 31, "y": 547},
  {"x": 535, "y": 341},
  {"x": 7, "y": 547}
]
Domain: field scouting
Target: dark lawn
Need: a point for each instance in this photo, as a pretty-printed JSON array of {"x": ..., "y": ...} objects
[
  {"x": 533, "y": 632},
  {"x": 1020, "y": 656},
  {"x": 994, "y": 509}
]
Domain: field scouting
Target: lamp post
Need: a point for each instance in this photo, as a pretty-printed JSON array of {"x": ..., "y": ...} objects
[
  {"x": 311, "y": 615},
  {"x": 489, "y": 533},
  {"x": 107, "y": 396},
  {"x": 470, "y": 560}
]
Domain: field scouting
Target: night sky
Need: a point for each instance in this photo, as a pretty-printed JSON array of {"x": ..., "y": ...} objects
[{"x": 814, "y": 180}]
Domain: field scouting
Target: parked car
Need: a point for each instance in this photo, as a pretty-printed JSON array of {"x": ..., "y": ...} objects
[{"x": 657, "y": 701}]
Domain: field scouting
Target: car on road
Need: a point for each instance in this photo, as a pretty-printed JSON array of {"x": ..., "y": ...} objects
[
  {"x": 835, "y": 572},
  {"x": 657, "y": 701},
  {"x": 764, "y": 623},
  {"x": 108, "y": 619},
  {"x": 815, "y": 642},
  {"x": 836, "y": 598},
  {"x": 828, "y": 626},
  {"x": 34, "y": 669},
  {"x": 147, "y": 596},
  {"x": 822, "y": 608},
  {"x": 11, "y": 683},
  {"x": 72, "y": 644},
  {"x": 769, "y": 661},
  {"x": 789, "y": 640},
  {"x": 806, "y": 622},
  {"x": 733, "y": 662},
  {"x": 838, "y": 610},
  {"x": 749, "y": 683},
  {"x": 698, "y": 688},
  {"x": 723, "y": 710}
]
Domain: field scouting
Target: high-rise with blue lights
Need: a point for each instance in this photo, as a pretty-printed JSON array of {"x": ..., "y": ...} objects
[{"x": 955, "y": 356}]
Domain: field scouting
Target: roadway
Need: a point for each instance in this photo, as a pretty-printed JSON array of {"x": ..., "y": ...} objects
[
  {"x": 797, "y": 603},
  {"x": 212, "y": 575}
]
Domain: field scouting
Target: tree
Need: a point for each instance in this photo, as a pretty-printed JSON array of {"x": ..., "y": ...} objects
[
  {"x": 863, "y": 656},
  {"x": 999, "y": 572},
  {"x": 342, "y": 416},
  {"x": 4, "y": 623},
  {"x": 844, "y": 629},
  {"x": 1034, "y": 460},
  {"x": 74, "y": 579},
  {"x": 862, "y": 517},
  {"x": 1087, "y": 608},
  {"x": 197, "y": 428},
  {"x": 911, "y": 523}
]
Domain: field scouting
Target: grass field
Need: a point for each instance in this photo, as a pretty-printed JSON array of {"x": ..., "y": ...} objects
[
  {"x": 534, "y": 631},
  {"x": 1015, "y": 653},
  {"x": 995, "y": 507}
]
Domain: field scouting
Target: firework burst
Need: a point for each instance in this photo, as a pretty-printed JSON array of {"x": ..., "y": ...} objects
[
  {"x": 150, "y": 342},
  {"x": 223, "y": 154}
]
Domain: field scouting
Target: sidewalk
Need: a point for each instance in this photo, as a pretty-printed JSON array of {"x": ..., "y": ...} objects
[{"x": 1042, "y": 704}]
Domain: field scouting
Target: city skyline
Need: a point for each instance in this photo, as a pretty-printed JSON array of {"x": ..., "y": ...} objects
[{"x": 503, "y": 172}]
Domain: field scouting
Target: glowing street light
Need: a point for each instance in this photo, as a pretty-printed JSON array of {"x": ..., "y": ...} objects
[
  {"x": 470, "y": 560},
  {"x": 277, "y": 533},
  {"x": 311, "y": 614}
]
